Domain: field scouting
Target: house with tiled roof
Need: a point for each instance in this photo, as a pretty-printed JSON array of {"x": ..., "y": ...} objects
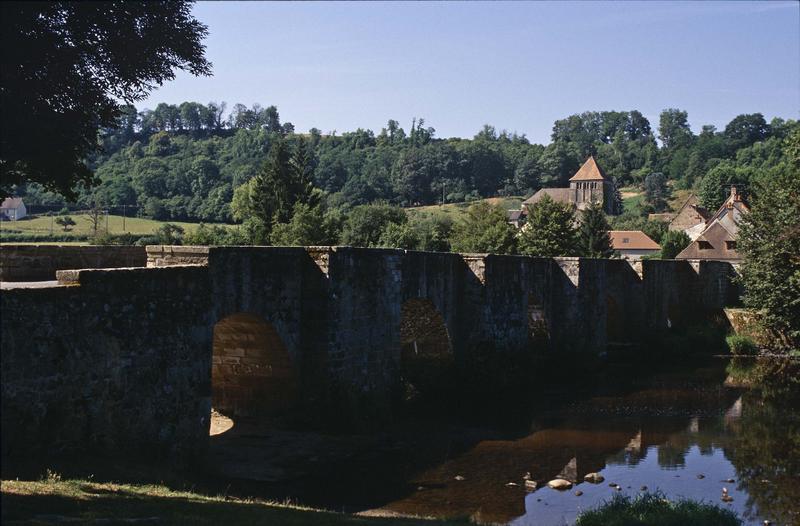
[
  {"x": 589, "y": 184},
  {"x": 633, "y": 244},
  {"x": 718, "y": 238}
]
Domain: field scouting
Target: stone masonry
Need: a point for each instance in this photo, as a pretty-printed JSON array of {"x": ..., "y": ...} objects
[{"x": 134, "y": 358}]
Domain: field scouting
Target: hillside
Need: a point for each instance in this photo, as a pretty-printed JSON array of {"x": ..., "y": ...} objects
[{"x": 170, "y": 170}]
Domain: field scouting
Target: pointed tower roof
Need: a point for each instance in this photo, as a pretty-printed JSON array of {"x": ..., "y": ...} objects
[{"x": 590, "y": 171}]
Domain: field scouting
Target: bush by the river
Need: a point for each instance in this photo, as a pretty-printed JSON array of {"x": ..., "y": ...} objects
[
  {"x": 741, "y": 345},
  {"x": 654, "y": 509}
]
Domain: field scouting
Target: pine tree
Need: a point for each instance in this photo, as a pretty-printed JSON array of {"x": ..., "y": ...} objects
[
  {"x": 302, "y": 168},
  {"x": 549, "y": 230},
  {"x": 271, "y": 190},
  {"x": 593, "y": 238}
]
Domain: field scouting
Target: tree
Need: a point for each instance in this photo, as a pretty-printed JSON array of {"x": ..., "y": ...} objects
[
  {"x": 397, "y": 235},
  {"x": 484, "y": 228},
  {"x": 65, "y": 221},
  {"x": 769, "y": 240},
  {"x": 672, "y": 242},
  {"x": 656, "y": 191},
  {"x": 64, "y": 70},
  {"x": 270, "y": 196},
  {"x": 549, "y": 230},
  {"x": 309, "y": 226},
  {"x": 617, "y": 204},
  {"x": 673, "y": 128},
  {"x": 95, "y": 217},
  {"x": 593, "y": 238},
  {"x": 366, "y": 223},
  {"x": 745, "y": 130}
]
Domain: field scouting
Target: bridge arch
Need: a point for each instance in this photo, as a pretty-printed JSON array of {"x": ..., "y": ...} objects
[
  {"x": 426, "y": 351},
  {"x": 252, "y": 374}
]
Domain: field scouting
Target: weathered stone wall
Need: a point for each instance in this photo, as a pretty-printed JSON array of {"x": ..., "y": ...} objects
[
  {"x": 115, "y": 359},
  {"x": 40, "y": 262},
  {"x": 123, "y": 358}
]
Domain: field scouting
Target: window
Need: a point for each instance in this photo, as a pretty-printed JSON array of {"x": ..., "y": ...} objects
[
  {"x": 730, "y": 245},
  {"x": 626, "y": 240},
  {"x": 704, "y": 245}
]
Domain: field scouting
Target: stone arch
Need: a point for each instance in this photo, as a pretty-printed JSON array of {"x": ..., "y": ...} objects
[
  {"x": 426, "y": 352},
  {"x": 252, "y": 374},
  {"x": 538, "y": 327},
  {"x": 615, "y": 322}
]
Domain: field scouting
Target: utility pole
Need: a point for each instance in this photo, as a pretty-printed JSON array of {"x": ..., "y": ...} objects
[
  {"x": 444, "y": 183},
  {"x": 123, "y": 217}
]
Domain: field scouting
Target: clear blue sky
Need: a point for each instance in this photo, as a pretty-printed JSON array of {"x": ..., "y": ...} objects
[{"x": 518, "y": 66}]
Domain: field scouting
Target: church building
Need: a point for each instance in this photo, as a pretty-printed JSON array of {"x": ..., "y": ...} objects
[{"x": 589, "y": 184}]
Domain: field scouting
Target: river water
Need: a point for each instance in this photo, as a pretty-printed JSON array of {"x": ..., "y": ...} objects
[{"x": 686, "y": 435}]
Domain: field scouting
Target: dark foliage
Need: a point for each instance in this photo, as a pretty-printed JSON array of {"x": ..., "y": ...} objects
[{"x": 65, "y": 65}]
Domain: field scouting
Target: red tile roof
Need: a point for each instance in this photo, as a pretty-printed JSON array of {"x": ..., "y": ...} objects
[
  {"x": 631, "y": 240},
  {"x": 590, "y": 171}
]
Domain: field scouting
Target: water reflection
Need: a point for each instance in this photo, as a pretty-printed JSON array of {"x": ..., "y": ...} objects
[{"x": 687, "y": 442}]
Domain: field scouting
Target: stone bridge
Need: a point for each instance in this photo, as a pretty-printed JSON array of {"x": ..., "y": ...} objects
[{"x": 136, "y": 357}]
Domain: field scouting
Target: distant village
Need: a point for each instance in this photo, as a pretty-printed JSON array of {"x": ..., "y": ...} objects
[{"x": 713, "y": 236}]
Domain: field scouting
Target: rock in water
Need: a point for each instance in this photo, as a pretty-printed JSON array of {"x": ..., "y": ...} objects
[
  {"x": 459, "y": 477},
  {"x": 578, "y": 493},
  {"x": 559, "y": 484},
  {"x": 530, "y": 484},
  {"x": 594, "y": 478}
]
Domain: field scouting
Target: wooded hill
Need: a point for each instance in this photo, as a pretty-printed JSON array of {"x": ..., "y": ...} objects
[{"x": 182, "y": 163}]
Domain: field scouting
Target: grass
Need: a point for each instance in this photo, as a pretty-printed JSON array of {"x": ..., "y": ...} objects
[
  {"x": 653, "y": 509},
  {"x": 741, "y": 345},
  {"x": 82, "y": 501},
  {"x": 454, "y": 210},
  {"x": 133, "y": 225}
]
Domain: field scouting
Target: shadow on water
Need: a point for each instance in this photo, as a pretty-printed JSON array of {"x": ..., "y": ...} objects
[{"x": 681, "y": 431}]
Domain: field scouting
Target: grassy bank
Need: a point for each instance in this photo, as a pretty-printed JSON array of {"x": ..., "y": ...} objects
[{"x": 52, "y": 500}]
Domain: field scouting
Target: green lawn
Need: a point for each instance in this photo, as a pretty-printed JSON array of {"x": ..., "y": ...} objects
[
  {"x": 115, "y": 224},
  {"x": 53, "y": 500}
]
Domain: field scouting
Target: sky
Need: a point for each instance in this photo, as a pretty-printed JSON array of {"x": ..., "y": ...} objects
[{"x": 518, "y": 66}]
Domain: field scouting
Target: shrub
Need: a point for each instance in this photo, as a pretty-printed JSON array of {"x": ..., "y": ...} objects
[
  {"x": 116, "y": 239},
  {"x": 654, "y": 509},
  {"x": 741, "y": 345}
]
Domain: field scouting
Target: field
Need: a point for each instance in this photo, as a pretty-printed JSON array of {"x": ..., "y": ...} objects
[
  {"x": 454, "y": 210},
  {"x": 46, "y": 226}
]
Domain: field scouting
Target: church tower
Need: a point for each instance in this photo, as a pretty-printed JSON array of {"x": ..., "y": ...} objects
[{"x": 590, "y": 184}]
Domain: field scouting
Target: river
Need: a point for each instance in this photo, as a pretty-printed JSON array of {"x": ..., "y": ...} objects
[{"x": 684, "y": 433}]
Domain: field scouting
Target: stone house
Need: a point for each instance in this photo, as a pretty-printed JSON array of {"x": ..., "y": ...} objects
[
  {"x": 690, "y": 218},
  {"x": 12, "y": 209},
  {"x": 718, "y": 239},
  {"x": 633, "y": 244}
]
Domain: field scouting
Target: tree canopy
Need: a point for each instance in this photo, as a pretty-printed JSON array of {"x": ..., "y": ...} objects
[
  {"x": 65, "y": 66},
  {"x": 549, "y": 230},
  {"x": 769, "y": 240}
]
